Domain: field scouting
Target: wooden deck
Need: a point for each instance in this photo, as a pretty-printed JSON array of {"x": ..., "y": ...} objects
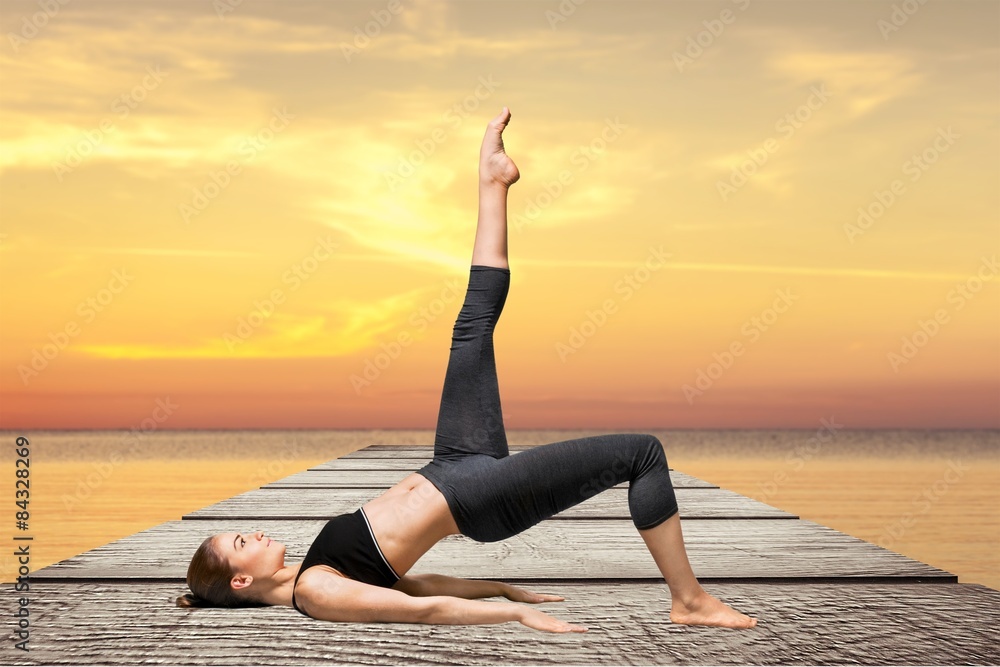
[{"x": 822, "y": 597}]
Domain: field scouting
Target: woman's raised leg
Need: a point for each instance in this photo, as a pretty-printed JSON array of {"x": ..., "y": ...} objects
[{"x": 470, "y": 418}]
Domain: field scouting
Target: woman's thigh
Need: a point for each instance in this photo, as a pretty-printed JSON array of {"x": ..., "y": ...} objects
[{"x": 493, "y": 499}]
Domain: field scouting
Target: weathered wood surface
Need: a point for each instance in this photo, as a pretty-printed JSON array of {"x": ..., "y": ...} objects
[
  {"x": 272, "y": 503},
  {"x": 832, "y": 598},
  {"x": 384, "y": 449},
  {"x": 719, "y": 549},
  {"x": 383, "y": 479},
  {"x": 409, "y": 462},
  {"x": 408, "y": 451},
  {"x": 121, "y": 623},
  {"x": 402, "y": 457}
]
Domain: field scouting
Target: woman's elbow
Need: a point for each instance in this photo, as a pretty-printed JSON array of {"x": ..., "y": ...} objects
[{"x": 434, "y": 609}]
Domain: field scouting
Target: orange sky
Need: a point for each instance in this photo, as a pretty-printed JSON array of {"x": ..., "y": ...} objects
[{"x": 221, "y": 219}]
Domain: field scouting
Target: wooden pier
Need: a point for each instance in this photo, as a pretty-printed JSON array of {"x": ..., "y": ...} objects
[{"x": 822, "y": 597}]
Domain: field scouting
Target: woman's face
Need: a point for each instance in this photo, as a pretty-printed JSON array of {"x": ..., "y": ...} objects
[{"x": 253, "y": 554}]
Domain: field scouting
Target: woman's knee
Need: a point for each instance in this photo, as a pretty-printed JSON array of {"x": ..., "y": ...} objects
[
  {"x": 652, "y": 450},
  {"x": 645, "y": 442},
  {"x": 652, "y": 441}
]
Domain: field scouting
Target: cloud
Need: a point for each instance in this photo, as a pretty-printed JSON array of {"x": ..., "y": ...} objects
[
  {"x": 750, "y": 268},
  {"x": 858, "y": 82},
  {"x": 162, "y": 252},
  {"x": 345, "y": 328}
]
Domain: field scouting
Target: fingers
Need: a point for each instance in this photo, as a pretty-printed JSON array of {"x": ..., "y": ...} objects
[
  {"x": 554, "y": 624},
  {"x": 522, "y": 595},
  {"x": 570, "y": 627},
  {"x": 546, "y": 623}
]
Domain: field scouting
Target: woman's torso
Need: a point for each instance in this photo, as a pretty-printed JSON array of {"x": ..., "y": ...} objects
[
  {"x": 408, "y": 520},
  {"x": 405, "y": 522}
]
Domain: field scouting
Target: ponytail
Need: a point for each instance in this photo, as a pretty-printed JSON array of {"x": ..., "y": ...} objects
[{"x": 191, "y": 600}]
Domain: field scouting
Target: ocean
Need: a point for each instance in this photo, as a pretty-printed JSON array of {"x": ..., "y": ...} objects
[{"x": 930, "y": 495}]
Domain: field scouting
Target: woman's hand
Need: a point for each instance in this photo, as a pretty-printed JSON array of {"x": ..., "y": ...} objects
[
  {"x": 520, "y": 595},
  {"x": 539, "y": 620},
  {"x": 533, "y": 618}
]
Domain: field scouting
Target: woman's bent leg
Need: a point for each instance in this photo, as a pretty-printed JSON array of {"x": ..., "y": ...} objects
[
  {"x": 492, "y": 500},
  {"x": 690, "y": 603},
  {"x": 496, "y": 499}
]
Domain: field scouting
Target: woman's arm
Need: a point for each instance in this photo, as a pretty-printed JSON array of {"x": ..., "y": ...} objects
[
  {"x": 335, "y": 598},
  {"x": 422, "y": 585},
  {"x": 448, "y": 610},
  {"x": 439, "y": 584}
]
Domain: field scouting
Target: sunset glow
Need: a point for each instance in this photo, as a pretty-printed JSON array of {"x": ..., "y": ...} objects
[{"x": 262, "y": 213}]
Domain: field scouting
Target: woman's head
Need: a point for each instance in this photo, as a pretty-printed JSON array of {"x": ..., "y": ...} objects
[{"x": 225, "y": 568}]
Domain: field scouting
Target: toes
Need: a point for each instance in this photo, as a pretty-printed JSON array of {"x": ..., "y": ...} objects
[{"x": 501, "y": 119}]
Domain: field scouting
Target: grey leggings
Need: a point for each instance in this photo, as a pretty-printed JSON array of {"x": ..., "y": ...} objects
[{"x": 493, "y": 495}]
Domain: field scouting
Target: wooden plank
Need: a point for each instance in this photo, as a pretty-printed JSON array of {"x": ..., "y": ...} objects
[
  {"x": 400, "y": 457},
  {"x": 410, "y": 462},
  {"x": 723, "y": 549},
  {"x": 277, "y": 503},
  {"x": 395, "y": 463},
  {"x": 419, "y": 451},
  {"x": 829, "y": 624},
  {"x": 383, "y": 479},
  {"x": 430, "y": 447}
]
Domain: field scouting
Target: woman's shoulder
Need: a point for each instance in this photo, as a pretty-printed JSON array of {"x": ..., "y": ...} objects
[
  {"x": 309, "y": 580},
  {"x": 317, "y": 572}
]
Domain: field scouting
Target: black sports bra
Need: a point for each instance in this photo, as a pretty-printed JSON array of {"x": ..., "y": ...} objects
[{"x": 347, "y": 544}]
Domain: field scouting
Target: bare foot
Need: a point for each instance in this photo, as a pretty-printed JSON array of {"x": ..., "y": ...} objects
[
  {"x": 707, "y": 610},
  {"x": 494, "y": 164}
]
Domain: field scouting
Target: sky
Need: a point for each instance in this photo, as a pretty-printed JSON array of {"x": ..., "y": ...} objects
[{"x": 739, "y": 214}]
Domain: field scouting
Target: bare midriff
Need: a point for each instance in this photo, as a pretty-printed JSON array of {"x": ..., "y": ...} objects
[{"x": 408, "y": 520}]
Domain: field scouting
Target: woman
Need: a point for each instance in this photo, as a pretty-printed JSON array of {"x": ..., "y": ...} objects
[{"x": 355, "y": 570}]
